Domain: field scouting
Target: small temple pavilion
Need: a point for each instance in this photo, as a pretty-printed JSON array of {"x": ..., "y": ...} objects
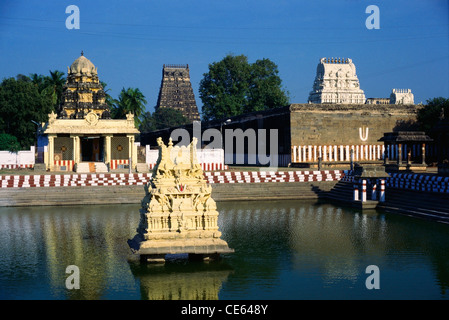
[
  {"x": 405, "y": 150},
  {"x": 82, "y": 137}
]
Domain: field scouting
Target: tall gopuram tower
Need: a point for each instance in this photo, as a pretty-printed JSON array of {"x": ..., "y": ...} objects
[
  {"x": 176, "y": 91},
  {"x": 81, "y": 135},
  {"x": 336, "y": 82}
]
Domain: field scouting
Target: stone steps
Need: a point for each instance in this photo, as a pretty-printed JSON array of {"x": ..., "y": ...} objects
[
  {"x": 134, "y": 194},
  {"x": 91, "y": 167},
  {"x": 101, "y": 167},
  {"x": 428, "y": 205}
]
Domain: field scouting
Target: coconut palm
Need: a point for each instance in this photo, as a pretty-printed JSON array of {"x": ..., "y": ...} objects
[{"x": 132, "y": 101}]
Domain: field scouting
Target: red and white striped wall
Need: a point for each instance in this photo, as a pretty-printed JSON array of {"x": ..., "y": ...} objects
[
  {"x": 204, "y": 166},
  {"x": 112, "y": 179},
  {"x": 115, "y": 163},
  {"x": 68, "y": 164},
  {"x": 16, "y": 166}
]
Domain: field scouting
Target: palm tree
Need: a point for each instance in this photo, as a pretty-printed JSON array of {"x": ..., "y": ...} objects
[
  {"x": 56, "y": 81},
  {"x": 132, "y": 101},
  {"x": 109, "y": 100}
]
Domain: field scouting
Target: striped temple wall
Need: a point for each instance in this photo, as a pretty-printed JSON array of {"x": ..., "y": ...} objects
[
  {"x": 367, "y": 152},
  {"x": 111, "y": 179},
  {"x": 419, "y": 182},
  {"x": 337, "y": 153}
]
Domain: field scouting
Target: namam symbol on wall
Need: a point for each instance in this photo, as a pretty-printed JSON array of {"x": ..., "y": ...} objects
[{"x": 363, "y": 135}]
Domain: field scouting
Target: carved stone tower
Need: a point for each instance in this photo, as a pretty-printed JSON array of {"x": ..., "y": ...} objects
[
  {"x": 176, "y": 91},
  {"x": 83, "y": 92},
  {"x": 336, "y": 82},
  {"x": 178, "y": 214}
]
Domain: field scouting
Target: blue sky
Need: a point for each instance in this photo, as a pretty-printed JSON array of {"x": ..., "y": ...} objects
[{"x": 129, "y": 41}]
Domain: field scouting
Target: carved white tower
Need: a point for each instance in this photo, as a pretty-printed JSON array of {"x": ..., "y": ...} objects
[
  {"x": 402, "y": 96},
  {"x": 336, "y": 82}
]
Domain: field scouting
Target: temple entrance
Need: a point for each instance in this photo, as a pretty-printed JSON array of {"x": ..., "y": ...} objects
[{"x": 92, "y": 149}]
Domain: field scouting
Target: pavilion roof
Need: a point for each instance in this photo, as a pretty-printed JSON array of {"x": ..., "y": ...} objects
[{"x": 406, "y": 136}]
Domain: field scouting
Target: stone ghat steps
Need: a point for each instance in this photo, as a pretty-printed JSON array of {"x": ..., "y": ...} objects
[
  {"x": 71, "y": 195},
  {"x": 271, "y": 191},
  {"x": 342, "y": 191},
  {"x": 429, "y": 205},
  {"x": 134, "y": 194}
]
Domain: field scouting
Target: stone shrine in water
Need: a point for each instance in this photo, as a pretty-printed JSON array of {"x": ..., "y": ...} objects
[{"x": 178, "y": 214}]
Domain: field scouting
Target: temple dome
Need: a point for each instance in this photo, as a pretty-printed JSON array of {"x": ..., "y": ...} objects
[{"x": 82, "y": 65}]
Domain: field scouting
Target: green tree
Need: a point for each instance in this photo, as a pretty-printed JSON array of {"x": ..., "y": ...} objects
[
  {"x": 162, "y": 118},
  {"x": 54, "y": 84},
  {"x": 430, "y": 114},
  {"x": 20, "y": 103},
  {"x": 132, "y": 101},
  {"x": 9, "y": 142},
  {"x": 234, "y": 86},
  {"x": 109, "y": 100},
  {"x": 168, "y": 117}
]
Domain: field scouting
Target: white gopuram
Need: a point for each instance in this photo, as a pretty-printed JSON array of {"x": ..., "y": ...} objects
[
  {"x": 336, "y": 82},
  {"x": 402, "y": 96}
]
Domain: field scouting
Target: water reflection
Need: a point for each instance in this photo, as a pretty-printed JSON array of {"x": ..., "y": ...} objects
[
  {"x": 283, "y": 250},
  {"x": 181, "y": 280}
]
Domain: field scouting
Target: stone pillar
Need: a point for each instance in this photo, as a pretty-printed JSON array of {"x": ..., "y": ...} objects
[
  {"x": 374, "y": 192},
  {"x": 364, "y": 190},
  {"x": 76, "y": 149},
  {"x": 356, "y": 192},
  {"x": 107, "y": 150},
  {"x": 382, "y": 190},
  {"x": 423, "y": 153},
  {"x": 399, "y": 154},
  {"x": 51, "y": 152},
  {"x": 132, "y": 152}
]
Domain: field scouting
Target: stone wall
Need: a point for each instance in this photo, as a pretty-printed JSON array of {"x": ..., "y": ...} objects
[{"x": 335, "y": 124}]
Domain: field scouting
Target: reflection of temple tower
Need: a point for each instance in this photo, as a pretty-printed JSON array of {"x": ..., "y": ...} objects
[
  {"x": 176, "y": 91},
  {"x": 336, "y": 82},
  {"x": 161, "y": 284}
]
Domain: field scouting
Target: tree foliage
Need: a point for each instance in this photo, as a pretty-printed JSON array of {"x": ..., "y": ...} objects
[
  {"x": 21, "y": 102},
  {"x": 234, "y": 86},
  {"x": 431, "y": 113},
  {"x": 162, "y": 118},
  {"x": 9, "y": 142},
  {"x": 132, "y": 101}
]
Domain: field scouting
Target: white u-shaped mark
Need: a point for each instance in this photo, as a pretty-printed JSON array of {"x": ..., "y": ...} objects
[{"x": 363, "y": 137}]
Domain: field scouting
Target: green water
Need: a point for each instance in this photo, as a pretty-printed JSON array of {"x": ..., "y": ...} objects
[{"x": 283, "y": 250}]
